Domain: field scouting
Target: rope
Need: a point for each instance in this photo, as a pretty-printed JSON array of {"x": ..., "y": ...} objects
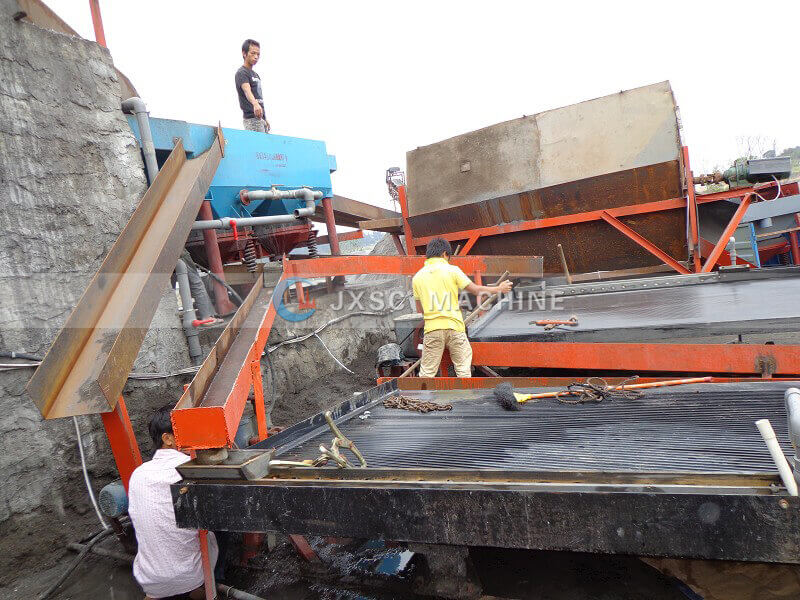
[
  {"x": 596, "y": 389},
  {"x": 412, "y": 404}
]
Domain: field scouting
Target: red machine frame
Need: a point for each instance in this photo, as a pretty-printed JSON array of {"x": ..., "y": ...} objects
[{"x": 699, "y": 247}]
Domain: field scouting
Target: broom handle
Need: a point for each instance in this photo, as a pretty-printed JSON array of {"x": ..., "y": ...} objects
[{"x": 471, "y": 317}]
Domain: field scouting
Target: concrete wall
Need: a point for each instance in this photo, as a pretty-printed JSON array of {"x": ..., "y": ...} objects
[{"x": 70, "y": 176}]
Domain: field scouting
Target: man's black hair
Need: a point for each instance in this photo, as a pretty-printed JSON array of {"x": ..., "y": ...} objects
[
  {"x": 160, "y": 423},
  {"x": 437, "y": 247},
  {"x": 247, "y": 44}
]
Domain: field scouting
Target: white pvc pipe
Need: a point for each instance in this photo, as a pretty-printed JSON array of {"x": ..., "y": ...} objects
[
  {"x": 792, "y": 399},
  {"x": 785, "y": 471},
  {"x": 308, "y": 195}
]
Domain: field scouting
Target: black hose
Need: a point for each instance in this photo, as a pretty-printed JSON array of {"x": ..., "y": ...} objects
[
  {"x": 23, "y": 355},
  {"x": 186, "y": 257},
  {"x": 81, "y": 555}
]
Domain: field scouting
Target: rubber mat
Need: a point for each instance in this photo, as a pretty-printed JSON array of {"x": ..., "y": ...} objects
[
  {"x": 698, "y": 428},
  {"x": 762, "y": 305}
]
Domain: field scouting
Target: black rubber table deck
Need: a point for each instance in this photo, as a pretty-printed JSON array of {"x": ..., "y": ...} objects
[
  {"x": 690, "y": 428},
  {"x": 667, "y": 307}
]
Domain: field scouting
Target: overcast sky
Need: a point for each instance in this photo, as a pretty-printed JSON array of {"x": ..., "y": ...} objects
[{"x": 376, "y": 79}]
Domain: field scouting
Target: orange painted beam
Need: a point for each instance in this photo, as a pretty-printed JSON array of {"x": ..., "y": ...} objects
[
  {"x": 122, "y": 440},
  {"x": 734, "y": 359},
  {"x": 593, "y": 215},
  {"x": 329, "y": 266},
  {"x": 737, "y": 217},
  {"x": 644, "y": 243}
]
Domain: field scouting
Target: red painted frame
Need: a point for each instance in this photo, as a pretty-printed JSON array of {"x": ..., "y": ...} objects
[{"x": 612, "y": 215}]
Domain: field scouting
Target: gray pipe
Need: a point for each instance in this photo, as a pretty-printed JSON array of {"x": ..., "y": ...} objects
[
  {"x": 192, "y": 336},
  {"x": 136, "y": 106},
  {"x": 205, "y": 310},
  {"x": 308, "y": 195}
]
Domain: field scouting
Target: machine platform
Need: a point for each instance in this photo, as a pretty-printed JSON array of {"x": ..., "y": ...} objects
[
  {"x": 655, "y": 309},
  {"x": 679, "y": 472}
]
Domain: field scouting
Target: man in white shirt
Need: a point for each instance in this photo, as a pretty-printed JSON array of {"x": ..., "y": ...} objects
[{"x": 168, "y": 564}]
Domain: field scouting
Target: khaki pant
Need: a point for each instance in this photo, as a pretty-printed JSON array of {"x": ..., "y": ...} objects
[
  {"x": 433, "y": 345},
  {"x": 255, "y": 125}
]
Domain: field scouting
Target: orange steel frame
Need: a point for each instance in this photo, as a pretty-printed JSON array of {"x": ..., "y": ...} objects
[
  {"x": 612, "y": 215},
  {"x": 215, "y": 426},
  {"x": 200, "y": 427}
]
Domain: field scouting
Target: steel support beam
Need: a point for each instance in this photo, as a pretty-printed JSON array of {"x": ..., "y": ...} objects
[
  {"x": 401, "y": 198},
  {"x": 330, "y": 225},
  {"x": 97, "y": 22},
  {"x": 349, "y": 212},
  {"x": 88, "y": 364},
  {"x": 730, "y": 228},
  {"x": 644, "y": 243},
  {"x": 594, "y": 215},
  {"x": 517, "y": 266},
  {"x": 211, "y": 245},
  {"x": 342, "y": 237},
  {"x": 398, "y": 244},
  {"x": 122, "y": 440},
  {"x": 691, "y": 207}
]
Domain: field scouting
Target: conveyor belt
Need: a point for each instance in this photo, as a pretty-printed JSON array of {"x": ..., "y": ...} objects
[
  {"x": 698, "y": 428},
  {"x": 653, "y": 312}
]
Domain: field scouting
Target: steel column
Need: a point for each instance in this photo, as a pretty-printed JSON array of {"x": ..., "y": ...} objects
[
  {"x": 122, "y": 440},
  {"x": 726, "y": 234},
  {"x": 258, "y": 399},
  {"x": 644, "y": 243},
  {"x": 401, "y": 198},
  {"x": 691, "y": 207},
  {"x": 754, "y": 244},
  {"x": 214, "y": 258},
  {"x": 795, "y": 247},
  {"x": 208, "y": 571},
  {"x": 97, "y": 21},
  {"x": 398, "y": 244},
  {"x": 330, "y": 225}
]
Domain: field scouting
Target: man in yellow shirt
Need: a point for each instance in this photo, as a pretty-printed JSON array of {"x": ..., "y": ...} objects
[{"x": 436, "y": 288}]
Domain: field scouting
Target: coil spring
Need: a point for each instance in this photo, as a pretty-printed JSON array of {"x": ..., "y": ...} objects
[
  {"x": 311, "y": 243},
  {"x": 250, "y": 256}
]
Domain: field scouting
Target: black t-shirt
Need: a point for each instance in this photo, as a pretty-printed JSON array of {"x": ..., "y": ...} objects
[{"x": 245, "y": 75}]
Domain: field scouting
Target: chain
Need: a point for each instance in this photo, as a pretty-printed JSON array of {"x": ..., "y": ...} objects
[{"x": 422, "y": 406}]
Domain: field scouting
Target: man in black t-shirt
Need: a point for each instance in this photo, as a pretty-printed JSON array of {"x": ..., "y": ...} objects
[{"x": 248, "y": 87}]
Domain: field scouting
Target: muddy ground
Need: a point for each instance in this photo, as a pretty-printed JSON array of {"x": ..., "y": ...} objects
[{"x": 325, "y": 392}]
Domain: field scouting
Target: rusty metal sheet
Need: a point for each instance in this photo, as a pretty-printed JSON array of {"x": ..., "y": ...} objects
[
  {"x": 641, "y": 185},
  {"x": 88, "y": 363},
  {"x": 593, "y": 245},
  {"x": 620, "y": 132}
]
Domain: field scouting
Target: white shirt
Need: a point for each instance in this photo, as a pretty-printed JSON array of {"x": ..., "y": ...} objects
[{"x": 168, "y": 562}]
